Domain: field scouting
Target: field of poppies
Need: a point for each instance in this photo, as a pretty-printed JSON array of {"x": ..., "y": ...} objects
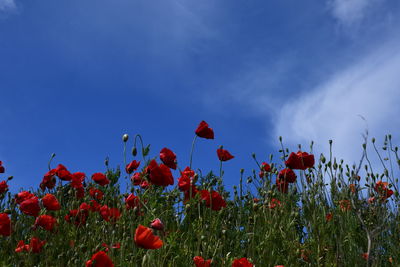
[{"x": 297, "y": 210}]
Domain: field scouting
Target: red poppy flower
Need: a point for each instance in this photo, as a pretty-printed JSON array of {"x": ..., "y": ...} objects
[
  {"x": 242, "y": 262},
  {"x": 34, "y": 246},
  {"x": 300, "y": 161},
  {"x": 382, "y": 189},
  {"x": 21, "y": 247},
  {"x": 157, "y": 224},
  {"x": 22, "y": 196},
  {"x": 213, "y": 200},
  {"x": 30, "y": 206},
  {"x": 204, "y": 131},
  {"x": 50, "y": 202},
  {"x": 224, "y": 155},
  {"x": 145, "y": 238},
  {"x": 77, "y": 179},
  {"x": 131, "y": 167},
  {"x": 274, "y": 203},
  {"x": 136, "y": 178},
  {"x": 63, "y": 173},
  {"x": 144, "y": 185},
  {"x": 328, "y": 217},
  {"x": 168, "y": 158},
  {"x": 5, "y": 225},
  {"x": 94, "y": 206},
  {"x": 109, "y": 214},
  {"x": 200, "y": 262},
  {"x": 47, "y": 222},
  {"x": 132, "y": 201},
  {"x": 2, "y": 170},
  {"x": 186, "y": 179},
  {"x": 287, "y": 175},
  {"x": 159, "y": 174},
  {"x": 265, "y": 167},
  {"x": 96, "y": 193},
  {"x": 49, "y": 180},
  {"x": 100, "y": 259},
  {"x": 78, "y": 216},
  {"x": 100, "y": 179},
  {"x": 3, "y": 187}
]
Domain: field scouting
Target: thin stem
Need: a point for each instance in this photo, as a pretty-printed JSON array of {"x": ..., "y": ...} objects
[{"x": 191, "y": 151}]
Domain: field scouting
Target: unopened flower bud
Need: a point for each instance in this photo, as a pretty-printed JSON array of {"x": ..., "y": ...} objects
[
  {"x": 157, "y": 224},
  {"x": 134, "y": 151},
  {"x": 125, "y": 138}
]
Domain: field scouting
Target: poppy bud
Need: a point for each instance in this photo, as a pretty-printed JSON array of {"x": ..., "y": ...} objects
[
  {"x": 10, "y": 178},
  {"x": 125, "y": 138},
  {"x": 134, "y": 151},
  {"x": 7, "y": 211},
  {"x": 373, "y": 140}
]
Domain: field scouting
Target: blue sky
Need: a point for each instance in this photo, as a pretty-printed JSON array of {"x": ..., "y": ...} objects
[{"x": 76, "y": 75}]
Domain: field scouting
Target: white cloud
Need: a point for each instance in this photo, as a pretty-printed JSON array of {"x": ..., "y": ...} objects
[
  {"x": 7, "y": 5},
  {"x": 369, "y": 87},
  {"x": 350, "y": 12}
]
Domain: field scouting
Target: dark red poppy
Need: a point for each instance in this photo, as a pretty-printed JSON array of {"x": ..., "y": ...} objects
[
  {"x": 300, "y": 161},
  {"x": 49, "y": 180},
  {"x": 242, "y": 262},
  {"x": 132, "y": 201},
  {"x": 145, "y": 238},
  {"x": 63, "y": 173},
  {"x": 3, "y": 187},
  {"x": 50, "y": 202},
  {"x": 78, "y": 216},
  {"x": 157, "y": 224},
  {"x": 213, "y": 200},
  {"x": 204, "y": 131},
  {"x": 131, "y": 167},
  {"x": 77, "y": 179},
  {"x": 168, "y": 158},
  {"x": 136, "y": 178},
  {"x": 47, "y": 222},
  {"x": 159, "y": 174},
  {"x": 30, "y": 206},
  {"x": 109, "y": 214},
  {"x": 200, "y": 262},
  {"x": 100, "y": 179},
  {"x": 94, "y": 206},
  {"x": 2, "y": 170},
  {"x": 287, "y": 175},
  {"x": 22, "y": 196},
  {"x": 96, "y": 193},
  {"x": 5, "y": 225},
  {"x": 186, "y": 179},
  {"x": 100, "y": 259},
  {"x": 224, "y": 155},
  {"x": 265, "y": 167}
]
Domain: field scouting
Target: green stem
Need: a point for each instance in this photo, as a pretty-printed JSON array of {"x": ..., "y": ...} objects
[{"x": 191, "y": 151}]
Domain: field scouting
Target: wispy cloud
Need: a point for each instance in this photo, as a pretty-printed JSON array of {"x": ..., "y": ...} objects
[
  {"x": 7, "y": 5},
  {"x": 369, "y": 87},
  {"x": 351, "y": 12}
]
